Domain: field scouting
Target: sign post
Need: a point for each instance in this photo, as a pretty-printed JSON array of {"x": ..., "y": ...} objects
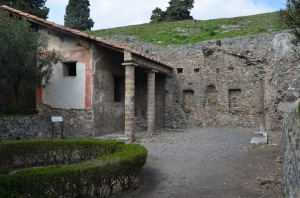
[{"x": 57, "y": 119}]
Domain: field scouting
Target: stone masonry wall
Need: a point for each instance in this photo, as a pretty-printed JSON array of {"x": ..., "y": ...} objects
[
  {"x": 77, "y": 123},
  {"x": 255, "y": 68},
  {"x": 291, "y": 154},
  {"x": 25, "y": 127}
]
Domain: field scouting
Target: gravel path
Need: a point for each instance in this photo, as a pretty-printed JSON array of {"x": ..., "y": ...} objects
[
  {"x": 203, "y": 145},
  {"x": 206, "y": 162}
]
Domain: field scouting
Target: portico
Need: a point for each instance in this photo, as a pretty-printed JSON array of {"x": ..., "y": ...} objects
[{"x": 151, "y": 67}]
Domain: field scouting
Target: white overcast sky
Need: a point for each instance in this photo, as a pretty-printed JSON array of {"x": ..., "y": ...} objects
[{"x": 116, "y": 13}]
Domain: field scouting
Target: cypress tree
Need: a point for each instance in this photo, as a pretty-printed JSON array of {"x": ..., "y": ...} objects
[
  {"x": 34, "y": 7},
  {"x": 77, "y": 15}
]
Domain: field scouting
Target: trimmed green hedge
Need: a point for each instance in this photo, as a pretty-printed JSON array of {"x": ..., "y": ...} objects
[{"x": 115, "y": 167}]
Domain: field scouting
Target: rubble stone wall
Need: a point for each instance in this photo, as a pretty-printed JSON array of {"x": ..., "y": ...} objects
[
  {"x": 76, "y": 124},
  {"x": 246, "y": 82},
  {"x": 25, "y": 128},
  {"x": 291, "y": 154},
  {"x": 242, "y": 83}
]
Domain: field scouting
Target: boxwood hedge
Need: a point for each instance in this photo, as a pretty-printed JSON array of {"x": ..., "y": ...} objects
[{"x": 74, "y": 168}]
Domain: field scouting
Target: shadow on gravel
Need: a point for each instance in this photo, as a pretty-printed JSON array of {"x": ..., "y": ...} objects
[
  {"x": 147, "y": 181},
  {"x": 207, "y": 163}
]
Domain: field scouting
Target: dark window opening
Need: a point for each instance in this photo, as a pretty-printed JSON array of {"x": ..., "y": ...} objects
[
  {"x": 119, "y": 89},
  {"x": 218, "y": 70},
  {"x": 230, "y": 68},
  {"x": 196, "y": 70},
  {"x": 179, "y": 70},
  {"x": 69, "y": 69}
]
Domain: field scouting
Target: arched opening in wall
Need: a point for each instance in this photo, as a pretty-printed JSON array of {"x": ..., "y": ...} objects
[
  {"x": 234, "y": 98},
  {"x": 188, "y": 99},
  {"x": 211, "y": 96}
]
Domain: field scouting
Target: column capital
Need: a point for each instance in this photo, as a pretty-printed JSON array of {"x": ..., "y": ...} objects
[{"x": 130, "y": 64}]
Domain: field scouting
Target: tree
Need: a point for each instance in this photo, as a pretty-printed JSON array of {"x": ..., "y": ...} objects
[
  {"x": 177, "y": 11},
  {"x": 157, "y": 15},
  {"x": 291, "y": 17},
  {"x": 24, "y": 59},
  {"x": 77, "y": 15},
  {"x": 34, "y": 7}
]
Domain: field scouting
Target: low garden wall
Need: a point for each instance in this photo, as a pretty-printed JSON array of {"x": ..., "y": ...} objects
[
  {"x": 74, "y": 168},
  {"x": 24, "y": 127}
]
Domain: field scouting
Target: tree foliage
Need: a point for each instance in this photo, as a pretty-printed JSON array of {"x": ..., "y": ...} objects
[
  {"x": 291, "y": 17},
  {"x": 78, "y": 15},
  {"x": 24, "y": 58},
  {"x": 34, "y": 7},
  {"x": 177, "y": 11}
]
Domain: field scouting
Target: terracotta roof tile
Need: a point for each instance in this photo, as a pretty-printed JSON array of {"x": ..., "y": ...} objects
[
  {"x": 56, "y": 25},
  {"x": 79, "y": 33},
  {"x": 83, "y": 34},
  {"x": 23, "y": 14},
  {"x": 49, "y": 22}
]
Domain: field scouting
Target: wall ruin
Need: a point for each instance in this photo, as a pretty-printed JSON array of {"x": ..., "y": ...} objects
[
  {"x": 237, "y": 84},
  {"x": 291, "y": 154},
  {"x": 244, "y": 82}
]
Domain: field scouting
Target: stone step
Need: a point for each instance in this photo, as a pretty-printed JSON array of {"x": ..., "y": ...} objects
[{"x": 260, "y": 138}]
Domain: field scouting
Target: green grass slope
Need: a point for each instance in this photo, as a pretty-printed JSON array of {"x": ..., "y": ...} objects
[{"x": 191, "y": 31}]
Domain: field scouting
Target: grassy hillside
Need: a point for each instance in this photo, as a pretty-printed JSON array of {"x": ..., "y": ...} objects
[{"x": 191, "y": 31}]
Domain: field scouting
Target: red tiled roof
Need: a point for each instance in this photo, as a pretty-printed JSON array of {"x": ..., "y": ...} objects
[{"x": 106, "y": 43}]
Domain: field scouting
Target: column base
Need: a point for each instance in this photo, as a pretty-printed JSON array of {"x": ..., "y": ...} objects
[{"x": 129, "y": 134}]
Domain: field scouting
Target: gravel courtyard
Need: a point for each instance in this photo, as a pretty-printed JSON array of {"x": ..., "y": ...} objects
[{"x": 207, "y": 162}]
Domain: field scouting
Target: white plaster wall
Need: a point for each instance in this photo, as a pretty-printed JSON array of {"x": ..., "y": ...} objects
[{"x": 66, "y": 92}]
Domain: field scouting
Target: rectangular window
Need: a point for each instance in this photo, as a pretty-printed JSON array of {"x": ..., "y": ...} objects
[
  {"x": 179, "y": 70},
  {"x": 196, "y": 70},
  {"x": 69, "y": 69}
]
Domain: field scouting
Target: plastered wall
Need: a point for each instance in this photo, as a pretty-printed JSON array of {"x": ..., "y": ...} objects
[{"x": 69, "y": 92}]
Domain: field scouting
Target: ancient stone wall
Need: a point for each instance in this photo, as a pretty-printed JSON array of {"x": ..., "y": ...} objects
[
  {"x": 25, "y": 127},
  {"x": 243, "y": 82},
  {"x": 291, "y": 154},
  {"x": 78, "y": 123},
  {"x": 246, "y": 82},
  {"x": 108, "y": 91}
]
